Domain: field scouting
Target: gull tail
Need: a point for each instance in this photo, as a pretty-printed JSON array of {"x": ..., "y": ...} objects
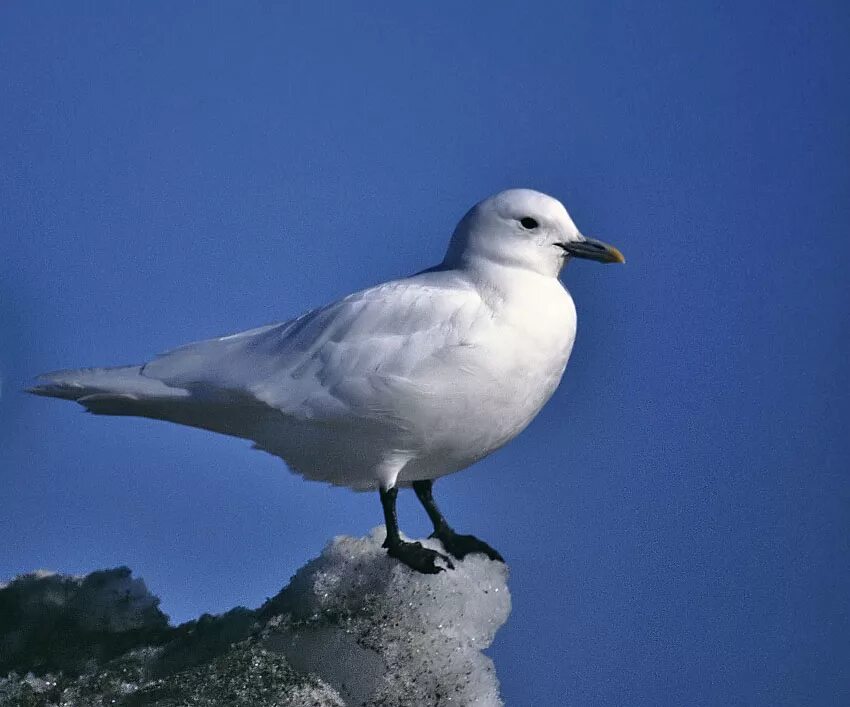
[
  {"x": 122, "y": 390},
  {"x": 126, "y": 390}
]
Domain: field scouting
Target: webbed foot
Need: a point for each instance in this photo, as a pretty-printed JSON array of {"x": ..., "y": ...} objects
[
  {"x": 418, "y": 558},
  {"x": 462, "y": 545}
]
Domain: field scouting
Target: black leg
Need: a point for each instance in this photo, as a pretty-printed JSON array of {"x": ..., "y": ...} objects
[
  {"x": 458, "y": 545},
  {"x": 413, "y": 555}
]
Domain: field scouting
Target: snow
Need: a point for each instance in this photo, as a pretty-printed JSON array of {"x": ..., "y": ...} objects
[
  {"x": 353, "y": 627},
  {"x": 377, "y": 631}
]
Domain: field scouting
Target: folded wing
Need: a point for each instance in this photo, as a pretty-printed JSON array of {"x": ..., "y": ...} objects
[{"x": 339, "y": 359}]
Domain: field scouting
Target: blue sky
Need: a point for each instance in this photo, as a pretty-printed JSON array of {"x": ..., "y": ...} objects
[{"x": 676, "y": 519}]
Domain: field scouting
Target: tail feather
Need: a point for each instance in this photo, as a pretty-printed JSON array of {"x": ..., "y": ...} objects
[
  {"x": 127, "y": 391},
  {"x": 95, "y": 386}
]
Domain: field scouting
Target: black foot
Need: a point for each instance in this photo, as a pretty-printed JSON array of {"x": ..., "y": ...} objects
[
  {"x": 462, "y": 545},
  {"x": 417, "y": 557}
]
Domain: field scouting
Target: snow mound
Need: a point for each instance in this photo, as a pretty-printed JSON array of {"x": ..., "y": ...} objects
[
  {"x": 353, "y": 627},
  {"x": 382, "y": 634}
]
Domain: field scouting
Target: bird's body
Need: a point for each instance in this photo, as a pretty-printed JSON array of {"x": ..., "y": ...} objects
[
  {"x": 397, "y": 384},
  {"x": 415, "y": 378}
]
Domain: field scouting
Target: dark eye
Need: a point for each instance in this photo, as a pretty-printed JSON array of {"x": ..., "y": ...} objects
[{"x": 529, "y": 223}]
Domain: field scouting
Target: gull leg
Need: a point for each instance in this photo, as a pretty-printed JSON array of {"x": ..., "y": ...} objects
[
  {"x": 413, "y": 555},
  {"x": 458, "y": 545}
]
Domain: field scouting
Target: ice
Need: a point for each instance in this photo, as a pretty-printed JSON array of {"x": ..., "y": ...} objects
[
  {"x": 382, "y": 634},
  {"x": 353, "y": 627},
  {"x": 50, "y": 621}
]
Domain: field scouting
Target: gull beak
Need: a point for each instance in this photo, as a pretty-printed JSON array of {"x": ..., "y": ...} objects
[{"x": 593, "y": 250}]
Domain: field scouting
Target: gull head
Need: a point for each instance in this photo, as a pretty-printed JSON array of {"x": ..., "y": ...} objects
[{"x": 526, "y": 229}]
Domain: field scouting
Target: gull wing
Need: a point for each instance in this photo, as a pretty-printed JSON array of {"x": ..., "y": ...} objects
[{"x": 361, "y": 356}]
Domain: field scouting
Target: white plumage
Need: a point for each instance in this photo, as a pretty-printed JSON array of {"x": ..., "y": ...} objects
[{"x": 408, "y": 380}]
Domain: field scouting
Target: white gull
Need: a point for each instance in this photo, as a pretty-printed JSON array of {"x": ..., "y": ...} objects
[{"x": 392, "y": 386}]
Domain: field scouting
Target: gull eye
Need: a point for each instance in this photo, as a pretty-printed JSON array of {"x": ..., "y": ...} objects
[{"x": 529, "y": 223}]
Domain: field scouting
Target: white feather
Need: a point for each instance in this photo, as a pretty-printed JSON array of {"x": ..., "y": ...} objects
[{"x": 407, "y": 380}]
